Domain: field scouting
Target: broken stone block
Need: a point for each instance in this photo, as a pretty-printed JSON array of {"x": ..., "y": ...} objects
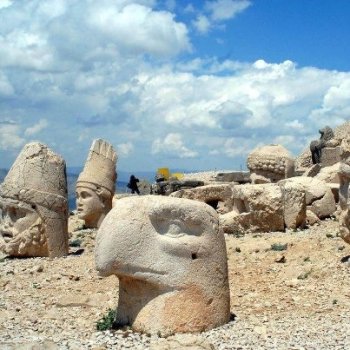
[
  {"x": 217, "y": 196},
  {"x": 256, "y": 208}
]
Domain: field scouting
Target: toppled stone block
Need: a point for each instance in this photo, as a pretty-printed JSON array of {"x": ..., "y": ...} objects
[
  {"x": 294, "y": 204},
  {"x": 318, "y": 196},
  {"x": 256, "y": 208},
  {"x": 217, "y": 196}
]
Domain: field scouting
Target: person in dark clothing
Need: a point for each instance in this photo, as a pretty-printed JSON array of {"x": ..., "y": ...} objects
[{"x": 133, "y": 184}]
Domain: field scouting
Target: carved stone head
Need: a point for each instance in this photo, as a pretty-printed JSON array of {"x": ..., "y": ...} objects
[
  {"x": 170, "y": 257},
  {"x": 33, "y": 205},
  {"x": 96, "y": 184}
]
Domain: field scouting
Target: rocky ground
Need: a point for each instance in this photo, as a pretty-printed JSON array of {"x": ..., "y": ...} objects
[{"x": 296, "y": 298}]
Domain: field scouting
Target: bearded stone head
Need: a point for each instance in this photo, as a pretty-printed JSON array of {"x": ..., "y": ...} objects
[
  {"x": 33, "y": 205},
  {"x": 170, "y": 257}
]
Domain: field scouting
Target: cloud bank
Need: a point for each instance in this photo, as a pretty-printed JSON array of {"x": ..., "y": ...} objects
[{"x": 74, "y": 71}]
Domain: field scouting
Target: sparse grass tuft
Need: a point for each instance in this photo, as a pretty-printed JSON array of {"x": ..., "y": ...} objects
[{"x": 278, "y": 247}]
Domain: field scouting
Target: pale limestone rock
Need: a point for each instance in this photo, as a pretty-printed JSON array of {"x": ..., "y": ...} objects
[
  {"x": 330, "y": 156},
  {"x": 217, "y": 196},
  {"x": 270, "y": 163},
  {"x": 256, "y": 208},
  {"x": 344, "y": 218},
  {"x": 170, "y": 257},
  {"x": 329, "y": 174},
  {"x": 294, "y": 204},
  {"x": 319, "y": 197},
  {"x": 33, "y": 205},
  {"x": 96, "y": 184},
  {"x": 311, "y": 218},
  {"x": 182, "y": 342}
]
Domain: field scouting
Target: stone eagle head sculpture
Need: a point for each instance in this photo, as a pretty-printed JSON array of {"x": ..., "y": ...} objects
[{"x": 169, "y": 255}]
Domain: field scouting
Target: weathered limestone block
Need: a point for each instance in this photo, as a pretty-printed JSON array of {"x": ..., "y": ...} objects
[
  {"x": 344, "y": 218},
  {"x": 294, "y": 204},
  {"x": 270, "y": 163},
  {"x": 329, "y": 174},
  {"x": 319, "y": 197},
  {"x": 330, "y": 156},
  {"x": 96, "y": 184},
  {"x": 169, "y": 255},
  {"x": 217, "y": 196},
  {"x": 33, "y": 205},
  {"x": 256, "y": 208}
]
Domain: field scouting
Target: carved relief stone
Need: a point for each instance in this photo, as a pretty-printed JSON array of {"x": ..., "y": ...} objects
[{"x": 270, "y": 163}]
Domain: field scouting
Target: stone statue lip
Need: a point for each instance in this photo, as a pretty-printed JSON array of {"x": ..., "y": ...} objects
[
  {"x": 138, "y": 272},
  {"x": 6, "y": 235}
]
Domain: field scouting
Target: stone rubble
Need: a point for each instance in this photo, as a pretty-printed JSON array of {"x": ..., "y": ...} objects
[{"x": 300, "y": 304}]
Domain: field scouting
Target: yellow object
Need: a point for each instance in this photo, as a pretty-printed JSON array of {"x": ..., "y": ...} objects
[
  {"x": 179, "y": 176},
  {"x": 164, "y": 172}
]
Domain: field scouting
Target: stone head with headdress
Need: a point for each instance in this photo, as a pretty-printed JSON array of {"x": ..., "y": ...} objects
[
  {"x": 96, "y": 184},
  {"x": 33, "y": 204}
]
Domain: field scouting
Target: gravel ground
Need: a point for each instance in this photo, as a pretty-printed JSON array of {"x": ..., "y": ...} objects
[{"x": 297, "y": 298}]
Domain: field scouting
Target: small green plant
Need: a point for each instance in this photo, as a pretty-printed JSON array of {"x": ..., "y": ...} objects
[
  {"x": 329, "y": 235},
  {"x": 335, "y": 302},
  {"x": 307, "y": 259},
  {"x": 75, "y": 243},
  {"x": 278, "y": 247},
  {"x": 238, "y": 249},
  {"x": 107, "y": 321}
]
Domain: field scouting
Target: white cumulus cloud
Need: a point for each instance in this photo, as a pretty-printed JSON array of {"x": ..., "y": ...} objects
[
  {"x": 172, "y": 145},
  {"x": 125, "y": 149},
  {"x": 11, "y": 138},
  {"x": 39, "y": 126},
  {"x": 226, "y": 9}
]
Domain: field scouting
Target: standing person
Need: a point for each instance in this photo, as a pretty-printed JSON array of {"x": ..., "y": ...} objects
[{"x": 133, "y": 184}]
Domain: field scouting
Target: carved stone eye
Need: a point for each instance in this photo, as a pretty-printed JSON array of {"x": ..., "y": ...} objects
[{"x": 175, "y": 224}]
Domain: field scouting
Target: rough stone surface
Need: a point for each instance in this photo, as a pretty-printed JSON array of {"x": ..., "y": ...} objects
[
  {"x": 33, "y": 205},
  {"x": 96, "y": 184},
  {"x": 330, "y": 156},
  {"x": 170, "y": 258},
  {"x": 341, "y": 137},
  {"x": 319, "y": 197},
  {"x": 300, "y": 304},
  {"x": 270, "y": 163},
  {"x": 329, "y": 174},
  {"x": 344, "y": 219},
  {"x": 217, "y": 196},
  {"x": 256, "y": 208},
  {"x": 294, "y": 204}
]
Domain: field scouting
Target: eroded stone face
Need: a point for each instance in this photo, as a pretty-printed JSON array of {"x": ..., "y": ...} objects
[
  {"x": 33, "y": 205},
  {"x": 21, "y": 229},
  {"x": 170, "y": 257},
  {"x": 96, "y": 184},
  {"x": 90, "y": 206}
]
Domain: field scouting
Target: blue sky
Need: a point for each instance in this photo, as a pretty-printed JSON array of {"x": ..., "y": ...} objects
[{"x": 193, "y": 85}]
